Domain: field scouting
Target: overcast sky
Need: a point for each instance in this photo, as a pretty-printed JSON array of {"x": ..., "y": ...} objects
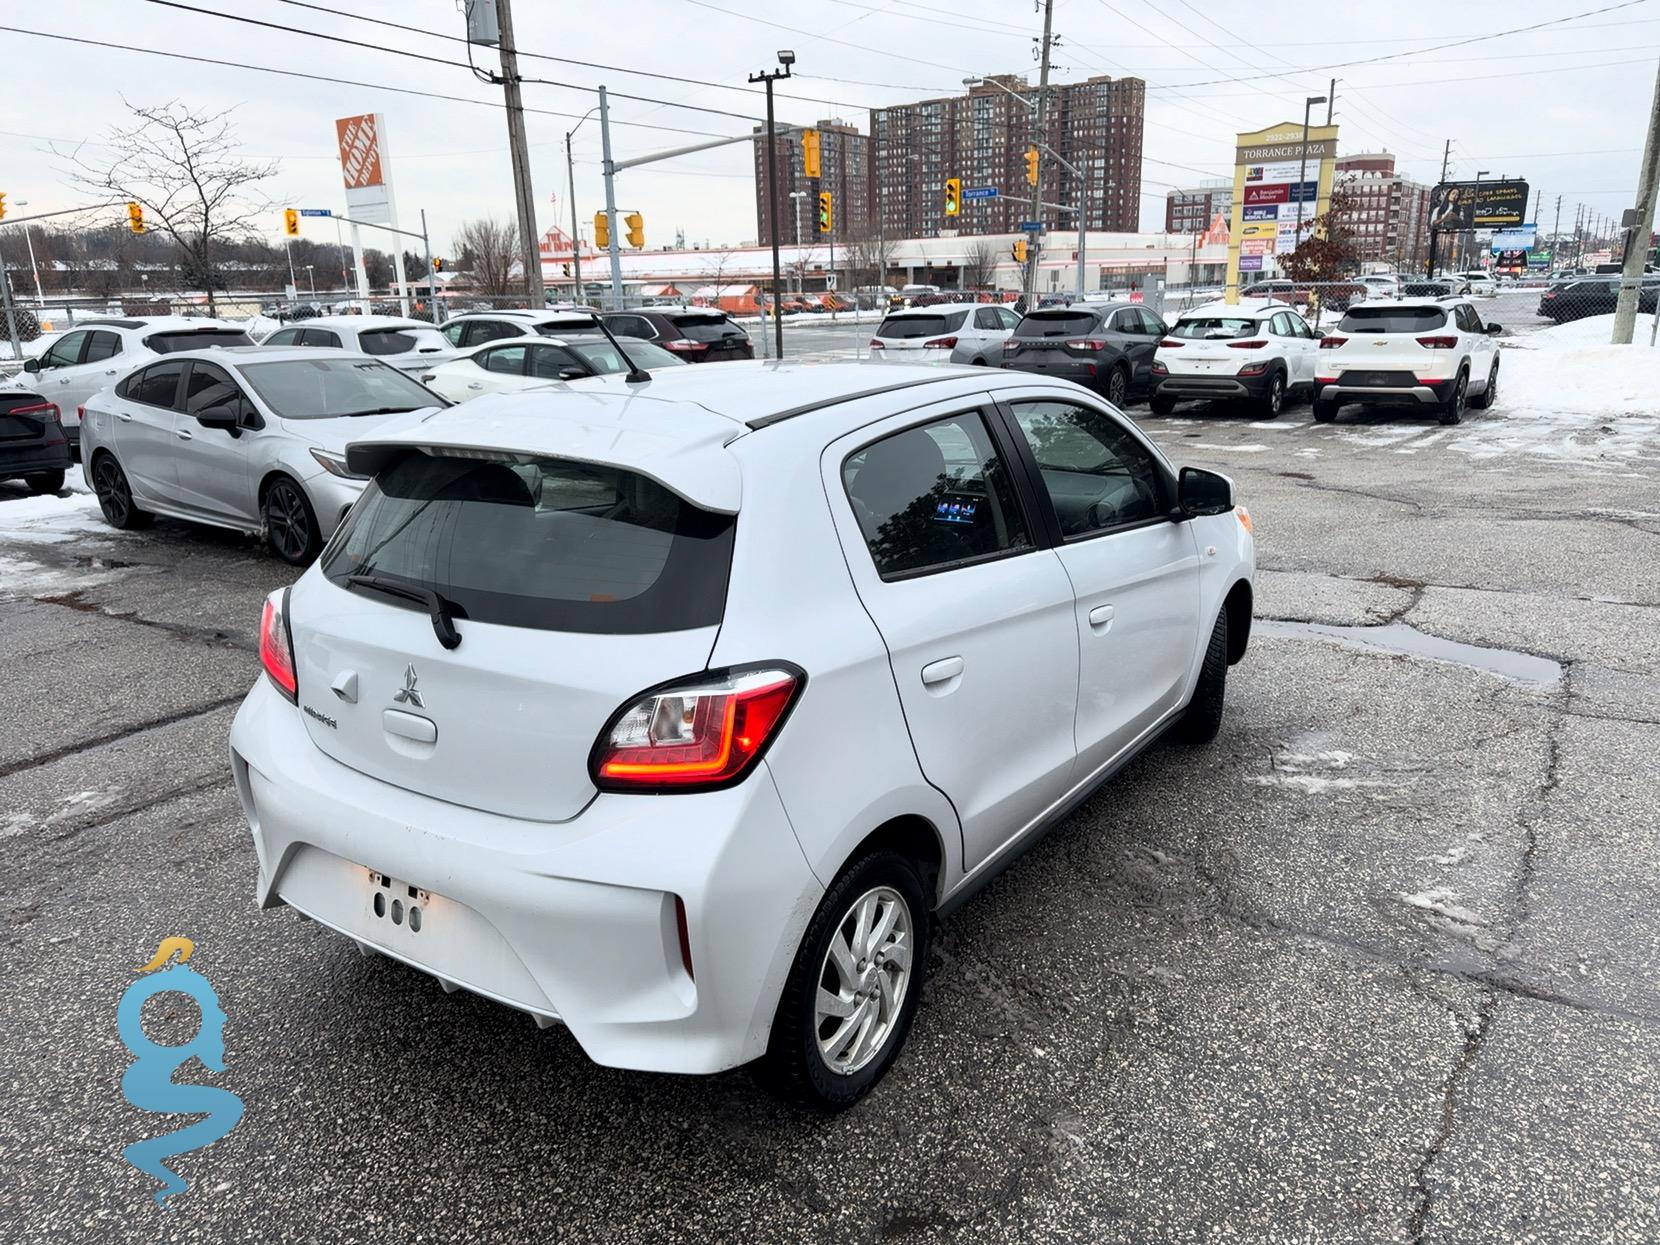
[{"x": 1565, "y": 106}]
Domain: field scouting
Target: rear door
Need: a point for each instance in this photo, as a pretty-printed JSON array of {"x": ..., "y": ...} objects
[
  {"x": 501, "y": 369},
  {"x": 213, "y": 472},
  {"x": 1132, "y": 334},
  {"x": 975, "y": 613},
  {"x": 145, "y": 442},
  {"x": 575, "y": 587}
]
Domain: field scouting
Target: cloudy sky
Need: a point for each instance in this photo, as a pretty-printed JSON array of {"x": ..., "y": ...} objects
[{"x": 1564, "y": 106}]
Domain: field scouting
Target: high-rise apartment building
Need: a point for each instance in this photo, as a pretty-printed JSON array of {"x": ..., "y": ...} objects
[
  {"x": 1190, "y": 209},
  {"x": 844, "y": 171},
  {"x": 1387, "y": 214},
  {"x": 982, "y": 138}
]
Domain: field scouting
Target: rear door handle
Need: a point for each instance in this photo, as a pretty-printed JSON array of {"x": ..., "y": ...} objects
[
  {"x": 942, "y": 670},
  {"x": 112, "y": 371},
  {"x": 475, "y": 385},
  {"x": 1101, "y": 617},
  {"x": 182, "y": 434},
  {"x": 124, "y": 417}
]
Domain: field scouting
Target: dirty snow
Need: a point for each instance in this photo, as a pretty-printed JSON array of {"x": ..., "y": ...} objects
[{"x": 1439, "y": 900}]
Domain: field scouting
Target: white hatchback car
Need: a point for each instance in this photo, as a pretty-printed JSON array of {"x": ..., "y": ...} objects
[
  {"x": 1430, "y": 354},
  {"x": 409, "y": 345},
  {"x": 475, "y": 328},
  {"x": 514, "y": 364},
  {"x": 1261, "y": 352},
  {"x": 676, "y": 714},
  {"x": 971, "y": 333},
  {"x": 92, "y": 355}
]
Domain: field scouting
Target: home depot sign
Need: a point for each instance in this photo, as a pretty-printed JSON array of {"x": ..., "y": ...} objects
[{"x": 364, "y": 167}]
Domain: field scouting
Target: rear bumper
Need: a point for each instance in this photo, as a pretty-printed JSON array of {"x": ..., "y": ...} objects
[
  {"x": 35, "y": 459},
  {"x": 1197, "y": 387},
  {"x": 1426, "y": 393},
  {"x": 573, "y": 921}
]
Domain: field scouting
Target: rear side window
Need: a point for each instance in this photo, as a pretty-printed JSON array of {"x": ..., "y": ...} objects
[
  {"x": 102, "y": 346},
  {"x": 196, "y": 339},
  {"x": 1056, "y": 324},
  {"x": 903, "y": 328},
  {"x": 1365, "y": 319},
  {"x": 934, "y": 497},
  {"x": 541, "y": 543},
  {"x": 155, "y": 386}
]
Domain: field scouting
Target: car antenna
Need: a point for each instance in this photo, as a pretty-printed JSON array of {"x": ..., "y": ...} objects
[{"x": 637, "y": 375}]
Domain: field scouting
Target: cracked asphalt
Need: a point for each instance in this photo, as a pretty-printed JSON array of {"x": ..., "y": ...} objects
[{"x": 1380, "y": 964}]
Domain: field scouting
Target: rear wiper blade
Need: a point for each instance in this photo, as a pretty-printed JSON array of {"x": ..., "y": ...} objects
[{"x": 439, "y": 607}]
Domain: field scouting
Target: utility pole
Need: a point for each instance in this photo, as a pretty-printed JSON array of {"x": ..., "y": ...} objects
[
  {"x": 1331, "y": 99},
  {"x": 1040, "y": 139},
  {"x": 612, "y": 244},
  {"x": 576, "y": 244},
  {"x": 1554, "y": 231},
  {"x": 786, "y": 58},
  {"x": 530, "y": 254},
  {"x": 1429, "y": 264},
  {"x": 1636, "y": 237}
]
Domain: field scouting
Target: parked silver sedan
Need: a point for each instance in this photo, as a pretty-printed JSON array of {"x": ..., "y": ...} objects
[{"x": 251, "y": 438}]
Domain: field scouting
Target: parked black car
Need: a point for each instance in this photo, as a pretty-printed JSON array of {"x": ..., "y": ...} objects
[
  {"x": 696, "y": 334},
  {"x": 1594, "y": 296},
  {"x": 1107, "y": 347},
  {"x": 33, "y": 446}
]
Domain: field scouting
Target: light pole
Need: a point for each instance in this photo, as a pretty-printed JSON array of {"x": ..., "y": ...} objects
[
  {"x": 40, "y": 298},
  {"x": 570, "y": 177},
  {"x": 311, "y": 276},
  {"x": 786, "y": 58},
  {"x": 796, "y": 196},
  {"x": 1302, "y": 169}
]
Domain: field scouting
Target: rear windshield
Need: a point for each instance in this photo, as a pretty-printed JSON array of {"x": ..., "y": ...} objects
[
  {"x": 902, "y": 328},
  {"x": 1365, "y": 319},
  {"x": 1216, "y": 328},
  {"x": 706, "y": 328},
  {"x": 400, "y": 341},
  {"x": 327, "y": 388},
  {"x": 540, "y": 542},
  {"x": 1055, "y": 324},
  {"x": 196, "y": 339},
  {"x": 562, "y": 328}
]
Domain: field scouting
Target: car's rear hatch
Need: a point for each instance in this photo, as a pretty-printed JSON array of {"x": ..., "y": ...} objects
[
  {"x": 576, "y": 576},
  {"x": 1040, "y": 342},
  {"x": 1212, "y": 345},
  {"x": 712, "y": 337},
  {"x": 30, "y": 432}
]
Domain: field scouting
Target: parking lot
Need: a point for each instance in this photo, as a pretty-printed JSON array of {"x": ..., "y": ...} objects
[{"x": 1382, "y": 963}]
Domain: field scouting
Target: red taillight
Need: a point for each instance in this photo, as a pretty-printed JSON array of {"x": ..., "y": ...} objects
[
  {"x": 1332, "y": 343},
  {"x": 1254, "y": 343},
  {"x": 1170, "y": 343},
  {"x": 1010, "y": 346},
  {"x": 1087, "y": 343},
  {"x": 1438, "y": 343},
  {"x": 1159, "y": 369},
  {"x": 686, "y": 345},
  {"x": 695, "y": 735},
  {"x": 1252, "y": 369},
  {"x": 876, "y": 343},
  {"x": 41, "y": 410},
  {"x": 276, "y": 650},
  {"x": 940, "y": 343}
]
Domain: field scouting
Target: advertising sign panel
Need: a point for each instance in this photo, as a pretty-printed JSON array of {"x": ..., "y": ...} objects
[
  {"x": 1455, "y": 206},
  {"x": 1262, "y": 211},
  {"x": 1287, "y": 172},
  {"x": 1522, "y": 238},
  {"x": 365, "y": 167},
  {"x": 1256, "y": 246},
  {"x": 1250, "y": 263},
  {"x": 1281, "y": 174}
]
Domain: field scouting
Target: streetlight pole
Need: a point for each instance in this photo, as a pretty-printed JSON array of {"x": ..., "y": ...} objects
[
  {"x": 311, "y": 276},
  {"x": 40, "y": 298},
  {"x": 786, "y": 58},
  {"x": 570, "y": 176},
  {"x": 796, "y": 196},
  {"x": 1302, "y": 169}
]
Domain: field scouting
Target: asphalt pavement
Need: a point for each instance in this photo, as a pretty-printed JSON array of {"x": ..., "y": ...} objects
[{"x": 1382, "y": 963}]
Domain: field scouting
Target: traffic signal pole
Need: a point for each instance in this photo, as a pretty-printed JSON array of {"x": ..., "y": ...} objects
[
  {"x": 611, "y": 244},
  {"x": 1039, "y": 139}
]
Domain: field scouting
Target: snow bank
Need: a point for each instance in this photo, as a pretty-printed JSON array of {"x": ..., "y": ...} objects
[
  {"x": 1592, "y": 330},
  {"x": 1568, "y": 377}
]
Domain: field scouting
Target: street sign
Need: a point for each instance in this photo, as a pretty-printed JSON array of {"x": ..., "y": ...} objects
[
  {"x": 316, "y": 212},
  {"x": 980, "y": 192},
  {"x": 830, "y": 281},
  {"x": 1031, "y": 226}
]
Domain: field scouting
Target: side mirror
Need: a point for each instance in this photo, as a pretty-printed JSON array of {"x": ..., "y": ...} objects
[
  {"x": 31, "y": 365},
  {"x": 221, "y": 417},
  {"x": 1493, "y": 330},
  {"x": 1202, "y": 492},
  {"x": 573, "y": 373}
]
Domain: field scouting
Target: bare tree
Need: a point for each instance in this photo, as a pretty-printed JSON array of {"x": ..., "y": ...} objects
[
  {"x": 182, "y": 168},
  {"x": 980, "y": 264},
  {"x": 489, "y": 249},
  {"x": 868, "y": 257}
]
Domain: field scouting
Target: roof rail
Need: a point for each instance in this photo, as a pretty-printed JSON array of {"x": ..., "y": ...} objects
[{"x": 763, "y": 421}]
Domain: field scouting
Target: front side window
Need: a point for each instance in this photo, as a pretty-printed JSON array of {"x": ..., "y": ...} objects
[
  {"x": 452, "y": 331},
  {"x": 1151, "y": 324},
  {"x": 602, "y": 356},
  {"x": 209, "y": 387},
  {"x": 986, "y": 318},
  {"x": 538, "y": 542},
  {"x": 1097, "y": 474},
  {"x": 66, "y": 351},
  {"x": 156, "y": 386},
  {"x": 284, "y": 337},
  {"x": 934, "y": 497}
]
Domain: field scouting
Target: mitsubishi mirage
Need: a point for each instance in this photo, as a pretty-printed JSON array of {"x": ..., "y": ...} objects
[{"x": 678, "y": 713}]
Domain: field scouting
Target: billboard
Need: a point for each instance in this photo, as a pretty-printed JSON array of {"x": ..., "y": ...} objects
[
  {"x": 1522, "y": 238},
  {"x": 1282, "y": 181},
  {"x": 365, "y": 167},
  {"x": 1457, "y": 206}
]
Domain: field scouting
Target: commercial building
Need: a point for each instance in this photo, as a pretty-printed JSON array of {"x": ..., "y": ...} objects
[
  {"x": 1191, "y": 209},
  {"x": 1387, "y": 214},
  {"x": 844, "y": 171},
  {"x": 982, "y": 137}
]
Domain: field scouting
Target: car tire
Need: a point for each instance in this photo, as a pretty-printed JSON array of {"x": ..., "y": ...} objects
[
  {"x": 1324, "y": 412},
  {"x": 45, "y": 482},
  {"x": 1485, "y": 399},
  {"x": 1203, "y": 716},
  {"x": 1118, "y": 387},
  {"x": 1452, "y": 409},
  {"x": 1160, "y": 405},
  {"x": 290, "y": 522},
  {"x": 115, "y": 495},
  {"x": 1272, "y": 401},
  {"x": 802, "y": 1062}
]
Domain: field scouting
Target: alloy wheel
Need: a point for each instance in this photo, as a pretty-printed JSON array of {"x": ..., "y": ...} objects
[
  {"x": 110, "y": 484},
  {"x": 863, "y": 980},
  {"x": 1276, "y": 394},
  {"x": 1116, "y": 388},
  {"x": 287, "y": 521}
]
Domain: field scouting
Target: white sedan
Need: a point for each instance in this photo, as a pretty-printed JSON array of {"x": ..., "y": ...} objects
[
  {"x": 517, "y": 364},
  {"x": 408, "y": 345},
  {"x": 678, "y": 716}
]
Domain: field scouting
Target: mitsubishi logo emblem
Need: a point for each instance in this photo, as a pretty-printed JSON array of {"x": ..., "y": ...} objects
[{"x": 407, "y": 695}]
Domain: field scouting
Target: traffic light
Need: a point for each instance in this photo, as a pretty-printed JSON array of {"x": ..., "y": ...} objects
[
  {"x": 1019, "y": 251},
  {"x": 636, "y": 229},
  {"x": 602, "y": 230},
  {"x": 825, "y": 219},
  {"x": 2, "y": 207},
  {"x": 809, "y": 153},
  {"x": 135, "y": 218},
  {"x": 290, "y": 222},
  {"x": 438, "y": 264},
  {"x": 1031, "y": 166},
  {"x": 953, "y": 195}
]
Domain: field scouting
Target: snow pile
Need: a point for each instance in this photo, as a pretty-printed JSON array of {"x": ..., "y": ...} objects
[{"x": 1592, "y": 330}]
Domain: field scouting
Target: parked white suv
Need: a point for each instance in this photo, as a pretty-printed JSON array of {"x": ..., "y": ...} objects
[
  {"x": 475, "y": 328},
  {"x": 971, "y": 333},
  {"x": 676, "y": 715},
  {"x": 96, "y": 353},
  {"x": 1259, "y": 352},
  {"x": 1476, "y": 282},
  {"x": 410, "y": 346},
  {"x": 1432, "y": 354}
]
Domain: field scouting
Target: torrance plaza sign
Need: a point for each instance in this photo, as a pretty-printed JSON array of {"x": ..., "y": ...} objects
[{"x": 1270, "y": 204}]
